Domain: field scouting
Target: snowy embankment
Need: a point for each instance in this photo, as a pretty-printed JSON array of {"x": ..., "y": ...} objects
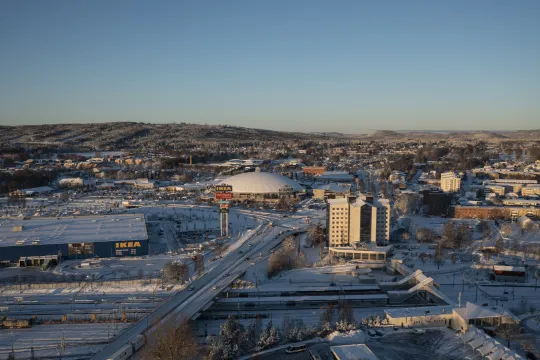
[
  {"x": 335, "y": 338},
  {"x": 349, "y": 337}
]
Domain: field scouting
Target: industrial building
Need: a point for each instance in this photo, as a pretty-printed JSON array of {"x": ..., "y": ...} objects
[{"x": 33, "y": 241}]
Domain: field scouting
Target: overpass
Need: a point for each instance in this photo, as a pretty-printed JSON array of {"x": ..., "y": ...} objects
[{"x": 206, "y": 287}]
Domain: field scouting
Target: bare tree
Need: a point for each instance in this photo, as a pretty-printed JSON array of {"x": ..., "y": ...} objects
[
  {"x": 508, "y": 332},
  {"x": 172, "y": 341},
  {"x": 315, "y": 234},
  {"x": 220, "y": 248},
  {"x": 528, "y": 344},
  {"x": 176, "y": 271},
  {"x": 426, "y": 235},
  {"x": 199, "y": 264},
  {"x": 407, "y": 203}
]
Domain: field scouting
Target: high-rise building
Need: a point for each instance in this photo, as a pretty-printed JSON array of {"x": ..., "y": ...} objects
[
  {"x": 351, "y": 221},
  {"x": 450, "y": 181}
]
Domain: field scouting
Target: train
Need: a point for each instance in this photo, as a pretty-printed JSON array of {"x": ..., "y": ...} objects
[{"x": 126, "y": 351}]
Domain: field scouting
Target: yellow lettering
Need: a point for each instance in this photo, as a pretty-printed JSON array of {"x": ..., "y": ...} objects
[
  {"x": 123, "y": 245},
  {"x": 117, "y": 245},
  {"x": 137, "y": 244},
  {"x": 130, "y": 244}
]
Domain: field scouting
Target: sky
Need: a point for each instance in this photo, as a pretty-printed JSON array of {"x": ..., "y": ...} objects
[{"x": 298, "y": 65}]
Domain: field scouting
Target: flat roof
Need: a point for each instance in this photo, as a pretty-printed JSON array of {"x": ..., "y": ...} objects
[
  {"x": 80, "y": 229},
  {"x": 370, "y": 248},
  {"x": 300, "y": 288},
  {"x": 419, "y": 311},
  {"x": 508, "y": 268},
  {"x": 321, "y": 298},
  {"x": 353, "y": 352}
]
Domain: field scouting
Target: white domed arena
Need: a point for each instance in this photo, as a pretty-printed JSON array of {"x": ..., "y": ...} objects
[{"x": 262, "y": 187}]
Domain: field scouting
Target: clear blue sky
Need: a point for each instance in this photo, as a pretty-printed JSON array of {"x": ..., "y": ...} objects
[{"x": 306, "y": 65}]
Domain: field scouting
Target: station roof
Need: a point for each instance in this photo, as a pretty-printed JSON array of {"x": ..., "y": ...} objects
[
  {"x": 419, "y": 311},
  {"x": 63, "y": 230},
  {"x": 473, "y": 311},
  {"x": 300, "y": 298},
  {"x": 302, "y": 288}
]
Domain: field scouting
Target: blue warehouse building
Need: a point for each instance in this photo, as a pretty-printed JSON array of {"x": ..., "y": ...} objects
[{"x": 33, "y": 241}]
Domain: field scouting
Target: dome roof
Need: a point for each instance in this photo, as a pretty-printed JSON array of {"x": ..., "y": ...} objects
[{"x": 260, "y": 183}]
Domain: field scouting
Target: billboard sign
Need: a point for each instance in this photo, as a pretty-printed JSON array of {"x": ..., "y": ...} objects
[
  {"x": 223, "y": 188},
  {"x": 223, "y": 196},
  {"x": 81, "y": 249}
]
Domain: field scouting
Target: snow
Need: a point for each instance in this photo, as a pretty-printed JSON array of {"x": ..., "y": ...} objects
[
  {"x": 350, "y": 337},
  {"x": 260, "y": 183},
  {"x": 74, "y": 230}
]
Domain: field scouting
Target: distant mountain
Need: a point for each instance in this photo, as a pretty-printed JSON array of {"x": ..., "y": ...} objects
[
  {"x": 387, "y": 133},
  {"x": 131, "y": 135}
]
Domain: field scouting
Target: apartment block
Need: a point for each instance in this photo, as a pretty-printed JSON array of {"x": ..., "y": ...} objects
[
  {"x": 531, "y": 190},
  {"x": 495, "y": 189},
  {"x": 354, "y": 220},
  {"x": 450, "y": 181}
]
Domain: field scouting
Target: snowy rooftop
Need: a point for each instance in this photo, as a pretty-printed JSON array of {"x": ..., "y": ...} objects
[
  {"x": 508, "y": 268},
  {"x": 44, "y": 230},
  {"x": 418, "y": 311},
  {"x": 353, "y": 352},
  {"x": 473, "y": 311},
  {"x": 260, "y": 183},
  {"x": 332, "y": 187},
  {"x": 337, "y": 175},
  {"x": 321, "y": 298},
  {"x": 306, "y": 288},
  {"x": 340, "y": 201},
  {"x": 369, "y": 247}
]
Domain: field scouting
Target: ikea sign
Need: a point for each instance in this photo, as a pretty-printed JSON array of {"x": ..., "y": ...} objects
[{"x": 128, "y": 245}]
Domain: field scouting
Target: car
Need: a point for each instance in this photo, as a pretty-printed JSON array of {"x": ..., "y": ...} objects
[
  {"x": 379, "y": 332},
  {"x": 250, "y": 245},
  {"x": 294, "y": 349},
  {"x": 247, "y": 259},
  {"x": 227, "y": 274},
  {"x": 417, "y": 331},
  {"x": 371, "y": 333},
  {"x": 214, "y": 288},
  {"x": 191, "y": 288}
]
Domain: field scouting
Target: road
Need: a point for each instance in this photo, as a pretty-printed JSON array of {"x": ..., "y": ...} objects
[{"x": 189, "y": 303}]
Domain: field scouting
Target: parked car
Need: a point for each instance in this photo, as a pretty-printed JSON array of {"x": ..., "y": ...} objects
[
  {"x": 294, "y": 349},
  {"x": 417, "y": 331}
]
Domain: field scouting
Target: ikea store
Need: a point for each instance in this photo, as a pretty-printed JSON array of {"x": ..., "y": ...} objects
[{"x": 38, "y": 240}]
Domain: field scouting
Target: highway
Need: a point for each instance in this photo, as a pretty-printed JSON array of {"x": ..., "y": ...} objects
[{"x": 212, "y": 282}]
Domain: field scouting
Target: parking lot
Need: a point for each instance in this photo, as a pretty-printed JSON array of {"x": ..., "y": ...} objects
[{"x": 440, "y": 344}]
